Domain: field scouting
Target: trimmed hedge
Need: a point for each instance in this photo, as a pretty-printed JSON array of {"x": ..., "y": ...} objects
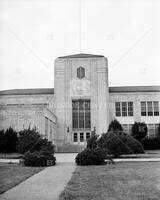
[
  {"x": 118, "y": 143},
  {"x": 39, "y": 159},
  {"x": 90, "y": 157},
  {"x": 151, "y": 143}
]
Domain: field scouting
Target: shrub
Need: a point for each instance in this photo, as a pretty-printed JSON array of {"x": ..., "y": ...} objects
[
  {"x": 151, "y": 143},
  {"x": 92, "y": 141},
  {"x": 134, "y": 145},
  {"x": 115, "y": 126},
  {"x": 139, "y": 130},
  {"x": 90, "y": 157},
  {"x": 30, "y": 140},
  {"x": 2, "y": 141},
  {"x": 39, "y": 159},
  {"x": 10, "y": 140},
  {"x": 159, "y": 130},
  {"x": 118, "y": 143},
  {"x": 111, "y": 141}
]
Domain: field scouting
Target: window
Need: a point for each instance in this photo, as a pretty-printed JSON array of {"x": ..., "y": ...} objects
[
  {"x": 124, "y": 109},
  {"x": 80, "y": 72},
  {"x": 46, "y": 127},
  {"x": 151, "y": 130},
  {"x": 156, "y": 108},
  {"x": 81, "y": 114},
  {"x": 87, "y": 135},
  {"x": 130, "y": 108},
  {"x": 118, "y": 109},
  {"x": 156, "y": 130},
  {"x": 81, "y": 137},
  {"x": 143, "y": 108},
  {"x": 75, "y": 137},
  {"x": 149, "y": 108}
]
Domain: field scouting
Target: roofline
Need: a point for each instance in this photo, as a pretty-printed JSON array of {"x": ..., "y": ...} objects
[
  {"x": 130, "y": 89},
  {"x": 81, "y": 55},
  {"x": 32, "y": 91}
]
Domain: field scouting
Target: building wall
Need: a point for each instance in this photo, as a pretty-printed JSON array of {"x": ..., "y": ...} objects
[
  {"x": 136, "y": 98},
  {"x": 21, "y": 117},
  {"x": 93, "y": 86},
  {"x": 28, "y": 99}
]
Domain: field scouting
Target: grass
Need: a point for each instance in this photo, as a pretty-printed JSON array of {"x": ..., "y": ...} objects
[
  {"x": 122, "y": 181},
  {"x": 13, "y": 174}
]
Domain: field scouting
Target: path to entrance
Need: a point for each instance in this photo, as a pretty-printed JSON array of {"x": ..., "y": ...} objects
[{"x": 46, "y": 185}]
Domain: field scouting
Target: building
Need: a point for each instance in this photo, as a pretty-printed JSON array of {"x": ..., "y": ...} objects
[{"x": 80, "y": 102}]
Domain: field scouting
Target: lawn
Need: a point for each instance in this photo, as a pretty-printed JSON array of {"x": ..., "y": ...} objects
[
  {"x": 122, "y": 181},
  {"x": 13, "y": 174}
]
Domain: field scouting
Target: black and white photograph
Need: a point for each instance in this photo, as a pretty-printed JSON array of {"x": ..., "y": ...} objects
[{"x": 79, "y": 100}]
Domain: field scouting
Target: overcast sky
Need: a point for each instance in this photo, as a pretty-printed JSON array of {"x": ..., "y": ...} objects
[{"x": 35, "y": 32}]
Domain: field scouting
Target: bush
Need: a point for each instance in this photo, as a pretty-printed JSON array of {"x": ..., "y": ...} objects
[
  {"x": 30, "y": 140},
  {"x": 2, "y": 141},
  {"x": 139, "y": 130},
  {"x": 159, "y": 130},
  {"x": 8, "y": 140},
  {"x": 111, "y": 141},
  {"x": 92, "y": 141},
  {"x": 134, "y": 145},
  {"x": 118, "y": 143},
  {"x": 115, "y": 126},
  {"x": 90, "y": 157},
  {"x": 41, "y": 158},
  {"x": 151, "y": 143}
]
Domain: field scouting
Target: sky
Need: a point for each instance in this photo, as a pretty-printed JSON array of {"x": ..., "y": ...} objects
[{"x": 33, "y": 33}]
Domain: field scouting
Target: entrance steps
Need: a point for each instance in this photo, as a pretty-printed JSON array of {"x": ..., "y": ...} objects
[{"x": 70, "y": 148}]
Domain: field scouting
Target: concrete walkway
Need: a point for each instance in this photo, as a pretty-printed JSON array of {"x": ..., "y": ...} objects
[{"x": 46, "y": 185}]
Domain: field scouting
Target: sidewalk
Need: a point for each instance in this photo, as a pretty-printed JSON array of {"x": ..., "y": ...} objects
[{"x": 46, "y": 185}]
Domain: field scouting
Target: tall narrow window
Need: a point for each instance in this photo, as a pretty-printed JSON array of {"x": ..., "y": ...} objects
[
  {"x": 149, "y": 108},
  {"x": 75, "y": 115},
  {"x": 156, "y": 108},
  {"x": 124, "y": 108},
  {"x": 81, "y": 116},
  {"x": 143, "y": 108},
  {"x": 87, "y": 114},
  {"x": 81, "y": 137},
  {"x": 80, "y": 72},
  {"x": 130, "y": 108},
  {"x": 118, "y": 109},
  {"x": 75, "y": 137}
]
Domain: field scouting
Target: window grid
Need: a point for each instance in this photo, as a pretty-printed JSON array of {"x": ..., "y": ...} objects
[
  {"x": 124, "y": 109},
  {"x": 149, "y": 108},
  {"x": 81, "y": 114}
]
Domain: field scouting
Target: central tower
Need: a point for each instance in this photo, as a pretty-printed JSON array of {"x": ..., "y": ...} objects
[{"x": 81, "y": 97}]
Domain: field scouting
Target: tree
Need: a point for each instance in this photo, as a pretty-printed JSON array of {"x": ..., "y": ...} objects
[
  {"x": 115, "y": 126},
  {"x": 92, "y": 141},
  {"x": 2, "y": 141},
  {"x": 139, "y": 130},
  {"x": 10, "y": 138}
]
